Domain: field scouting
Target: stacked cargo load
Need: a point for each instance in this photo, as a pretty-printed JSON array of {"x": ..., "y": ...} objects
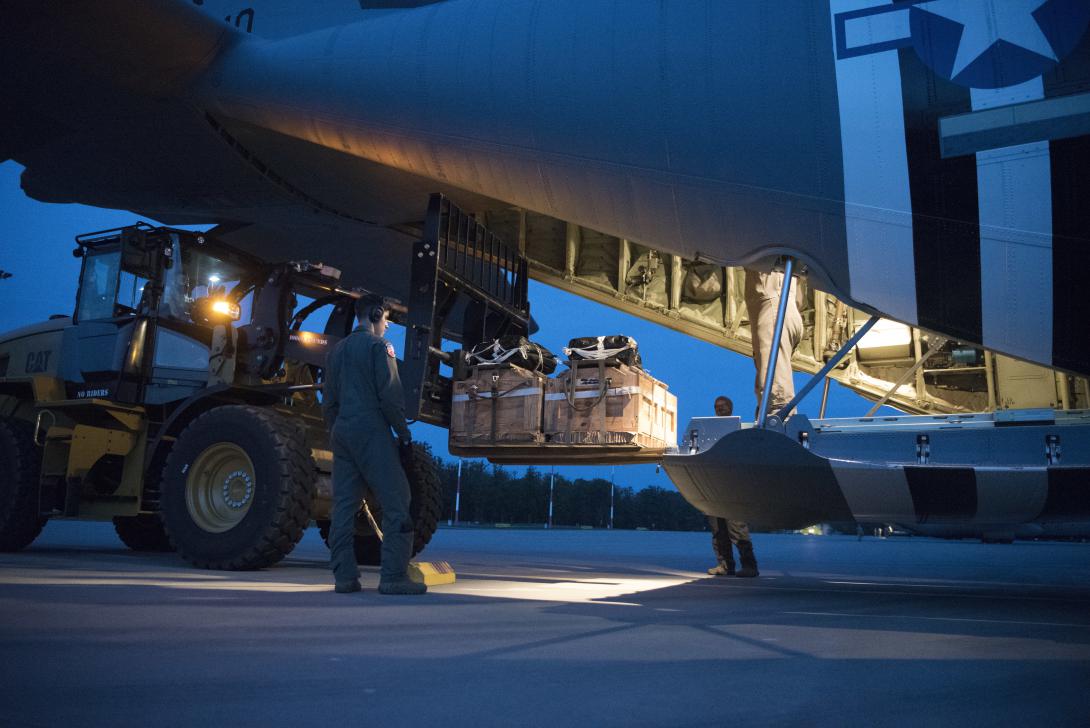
[
  {"x": 604, "y": 408},
  {"x": 599, "y": 403},
  {"x": 500, "y": 402},
  {"x": 606, "y": 398}
]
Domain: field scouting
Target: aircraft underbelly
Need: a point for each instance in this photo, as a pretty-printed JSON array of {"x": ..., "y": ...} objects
[
  {"x": 729, "y": 132},
  {"x": 670, "y": 159}
]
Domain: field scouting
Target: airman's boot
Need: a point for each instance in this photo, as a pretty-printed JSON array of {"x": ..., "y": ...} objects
[
  {"x": 396, "y": 551},
  {"x": 723, "y": 568},
  {"x": 347, "y": 587},
  {"x": 747, "y": 559},
  {"x": 404, "y": 585}
]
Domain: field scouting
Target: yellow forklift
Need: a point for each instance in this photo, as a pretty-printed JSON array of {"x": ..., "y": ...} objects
[{"x": 181, "y": 401}]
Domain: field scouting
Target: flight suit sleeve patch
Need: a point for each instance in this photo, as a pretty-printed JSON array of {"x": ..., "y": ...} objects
[{"x": 390, "y": 350}]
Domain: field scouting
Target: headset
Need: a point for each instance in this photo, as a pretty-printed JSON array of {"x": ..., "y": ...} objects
[{"x": 374, "y": 308}]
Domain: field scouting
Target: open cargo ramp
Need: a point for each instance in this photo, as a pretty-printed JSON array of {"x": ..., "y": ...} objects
[{"x": 937, "y": 374}]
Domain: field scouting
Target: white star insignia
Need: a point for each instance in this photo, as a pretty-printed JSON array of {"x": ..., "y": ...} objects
[{"x": 987, "y": 22}]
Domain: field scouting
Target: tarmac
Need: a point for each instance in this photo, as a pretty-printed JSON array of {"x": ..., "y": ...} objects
[{"x": 561, "y": 627}]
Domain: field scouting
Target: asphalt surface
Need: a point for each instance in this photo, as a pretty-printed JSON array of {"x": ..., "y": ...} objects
[{"x": 552, "y": 628}]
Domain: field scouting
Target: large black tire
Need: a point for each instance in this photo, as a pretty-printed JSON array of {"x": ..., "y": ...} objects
[
  {"x": 252, "y": 516},
  {"x": 20, "y": 470},
  {"x": 425, "y": 509},
  {"x": 144, "y": 532}
]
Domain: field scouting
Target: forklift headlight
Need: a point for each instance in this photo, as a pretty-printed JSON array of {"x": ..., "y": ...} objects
[
  {"x": 212, "y": 311},
  {"x": 226, "y": 309}
]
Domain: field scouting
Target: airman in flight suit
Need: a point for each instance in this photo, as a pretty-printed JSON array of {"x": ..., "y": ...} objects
[
  {"x": 362, "y": 401},
  {"x": 727, "y": 534}
]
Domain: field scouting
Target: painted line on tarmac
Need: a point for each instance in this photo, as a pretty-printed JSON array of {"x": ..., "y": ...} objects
[
  {"x": 897, "y": 583},
  {"x": 942, "y": 619},
  {"x": 714, "y": 582},
  {"x": 191, "y": 585}
]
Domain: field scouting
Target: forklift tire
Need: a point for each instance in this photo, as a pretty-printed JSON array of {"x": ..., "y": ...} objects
[
  {"x": 20, "y": 469},
  {"x": 425, "y": 509},
  {"x": 237, "y": 488},
  {"x": 144, "y": 532}
]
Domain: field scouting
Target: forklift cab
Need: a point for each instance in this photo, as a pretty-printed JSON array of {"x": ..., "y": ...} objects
[
  {"x": 147, "y": 301},
  {"x": 163, "y": 313}
]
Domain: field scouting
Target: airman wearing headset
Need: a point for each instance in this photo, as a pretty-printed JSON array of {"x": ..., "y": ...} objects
[{"x": 362, "y": 402}]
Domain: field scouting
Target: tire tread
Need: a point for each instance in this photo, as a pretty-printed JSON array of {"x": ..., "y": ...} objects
[
  {"x": 20, "y": 521},
  {"x": 295, "y": 491}
]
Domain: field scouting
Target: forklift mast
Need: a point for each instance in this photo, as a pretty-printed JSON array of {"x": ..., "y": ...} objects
[{"x": 467, "y": 286}]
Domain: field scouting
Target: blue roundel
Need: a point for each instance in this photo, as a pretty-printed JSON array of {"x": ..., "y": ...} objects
[{"x": 996, "y": 43}]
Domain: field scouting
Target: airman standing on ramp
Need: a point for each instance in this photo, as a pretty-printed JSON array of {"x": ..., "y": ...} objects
[{"x": 762, "y": 300}]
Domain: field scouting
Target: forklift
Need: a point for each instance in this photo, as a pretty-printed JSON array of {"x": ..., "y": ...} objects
[{"x": 181, "y": 400}]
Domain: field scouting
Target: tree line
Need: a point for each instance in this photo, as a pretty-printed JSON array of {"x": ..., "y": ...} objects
[{"x": 493, "y": 494}]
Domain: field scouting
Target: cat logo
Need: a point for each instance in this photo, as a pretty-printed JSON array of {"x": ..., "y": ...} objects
[{"x": 37, "y": 362}]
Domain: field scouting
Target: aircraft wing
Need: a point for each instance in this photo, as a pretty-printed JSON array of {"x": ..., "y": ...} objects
[{"x": 924, "y": 160}]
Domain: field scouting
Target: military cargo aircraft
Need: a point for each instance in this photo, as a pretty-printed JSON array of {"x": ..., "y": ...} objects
[{"x": 923, "y": 162}]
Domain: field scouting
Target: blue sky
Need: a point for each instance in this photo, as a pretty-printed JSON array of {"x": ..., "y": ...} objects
[{"x": 36, "y": 242}]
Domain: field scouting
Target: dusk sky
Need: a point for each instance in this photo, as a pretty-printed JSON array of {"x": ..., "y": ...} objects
[{"x": 36, "y": 242}]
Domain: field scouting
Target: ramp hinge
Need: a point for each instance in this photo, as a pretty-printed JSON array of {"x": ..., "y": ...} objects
[
  {"x": 923, "y": 449},
  {"x": 1052, "y": 449}
]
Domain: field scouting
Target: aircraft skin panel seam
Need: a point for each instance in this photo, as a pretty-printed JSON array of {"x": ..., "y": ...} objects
[
  {"x": 268, "y": 173},
  {"x": 1015, "y": 195}
]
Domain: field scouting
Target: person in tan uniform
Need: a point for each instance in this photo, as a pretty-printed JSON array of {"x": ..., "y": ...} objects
[
  {"x": 728, "y": 534},
  {"x": 762, "y": 295},
  {"x": 762, "y": 300}
]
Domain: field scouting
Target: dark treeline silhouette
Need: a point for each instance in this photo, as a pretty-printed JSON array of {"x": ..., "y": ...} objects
[{"x": 493, "y": 494}]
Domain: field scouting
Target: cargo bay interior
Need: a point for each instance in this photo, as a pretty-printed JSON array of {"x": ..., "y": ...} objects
[{"x": 914, "y": 370}]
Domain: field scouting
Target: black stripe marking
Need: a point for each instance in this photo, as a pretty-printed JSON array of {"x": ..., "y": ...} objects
[
  {"x": 945, "y": 207},
  {"x": 942, "y": 493},
  {"x": 1068, "y": 494},
  {"x": 1070, "y": 160}
]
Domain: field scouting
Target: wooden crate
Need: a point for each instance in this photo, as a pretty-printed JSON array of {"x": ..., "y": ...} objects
[
  {"x": 608, "y": 405},
  {"x": 497, "y": 405}
]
